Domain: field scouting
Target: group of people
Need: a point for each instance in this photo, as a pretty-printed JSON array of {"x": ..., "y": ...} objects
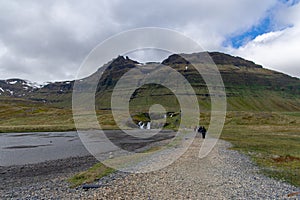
[{"x": 201, "y": 130}]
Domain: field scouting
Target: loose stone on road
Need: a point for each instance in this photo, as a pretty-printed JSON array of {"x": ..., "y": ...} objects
[{"x": 223, "y": 174}]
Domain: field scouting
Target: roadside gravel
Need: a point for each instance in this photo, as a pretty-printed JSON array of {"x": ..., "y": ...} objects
[
  {"x": 223, "y": 174},
  {"x": 37, "y": 181}
]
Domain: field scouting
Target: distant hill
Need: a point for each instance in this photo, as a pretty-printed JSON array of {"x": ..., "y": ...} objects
[{"x": 249, "y": 87}]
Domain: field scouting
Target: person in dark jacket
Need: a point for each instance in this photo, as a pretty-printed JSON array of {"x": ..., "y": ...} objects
[{"x": 202, "y": 130}]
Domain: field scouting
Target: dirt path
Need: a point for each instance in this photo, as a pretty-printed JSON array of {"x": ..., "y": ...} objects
[{"x": 223, "y": 174}]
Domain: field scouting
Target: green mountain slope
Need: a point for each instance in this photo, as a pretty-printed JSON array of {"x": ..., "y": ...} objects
[{"x": 249, "y": 87}]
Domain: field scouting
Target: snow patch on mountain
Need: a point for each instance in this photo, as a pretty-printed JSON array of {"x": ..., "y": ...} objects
[
  {"x": 12, "y": 82},
  {"x": 35, "y": 84},
  {"x": 11, "y": 92}
]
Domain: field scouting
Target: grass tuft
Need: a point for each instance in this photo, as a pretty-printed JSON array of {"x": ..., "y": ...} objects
[{"x": 96, "y": 172}]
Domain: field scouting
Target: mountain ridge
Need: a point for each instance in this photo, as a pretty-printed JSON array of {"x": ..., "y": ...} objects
[{"x": 242, "y": 78}]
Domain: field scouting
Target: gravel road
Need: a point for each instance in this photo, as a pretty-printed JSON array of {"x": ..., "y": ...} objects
[{"x": 223, "y": 174}]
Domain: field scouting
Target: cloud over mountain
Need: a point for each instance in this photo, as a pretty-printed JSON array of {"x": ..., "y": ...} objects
[{"x": 48, "y": 40}]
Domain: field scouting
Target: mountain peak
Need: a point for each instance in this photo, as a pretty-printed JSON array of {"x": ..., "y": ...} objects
[
  {"x": 175, "y": 59},
  {"x": 226, "y": 59},
  {"x": 121, "y": 60},
  {"x": 207, "y": 57}
]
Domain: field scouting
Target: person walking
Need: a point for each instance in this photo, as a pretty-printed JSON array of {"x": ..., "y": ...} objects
[{"x": 202, "y": 130}]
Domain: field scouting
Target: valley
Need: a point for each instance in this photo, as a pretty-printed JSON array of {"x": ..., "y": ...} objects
[{"x": 262, "y": 120}]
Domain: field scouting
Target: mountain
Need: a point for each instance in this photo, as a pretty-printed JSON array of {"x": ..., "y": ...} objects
[
  {"x": 17, "y": 87},
  {"x": 248, "y": 86}
]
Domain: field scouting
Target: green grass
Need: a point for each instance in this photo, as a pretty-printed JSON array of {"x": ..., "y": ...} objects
[
  {"x": 26, "y": 116},
  {"x": 296, "y": 114},
  {"x": 273, "y": 144},
  {"x": 271, "y": 139},
  {"x": 18, "y": 115},
  {"x": 97, "y": 171}
]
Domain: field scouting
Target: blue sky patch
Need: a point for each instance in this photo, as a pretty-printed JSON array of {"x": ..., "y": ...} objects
[
  {"x": 237, "y": 41},
  {"x": 266, "y": 25},
  {"x": 289, "y": 2}
]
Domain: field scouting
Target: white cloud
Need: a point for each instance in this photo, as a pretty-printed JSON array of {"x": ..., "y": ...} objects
[
  {"x": 207, "y": 22},
  {"x": 48, "y": 40},
  {"x": 267, "y": 37},
  {"x": 277, "y": 50}
]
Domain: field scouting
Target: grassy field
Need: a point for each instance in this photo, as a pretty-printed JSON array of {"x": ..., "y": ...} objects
[
  {"x": 26, "y": 116},
  {"x": 271, "y": 139}
]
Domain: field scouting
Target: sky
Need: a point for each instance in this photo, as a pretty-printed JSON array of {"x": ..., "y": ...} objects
[{"x": 48, "y": 40}]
